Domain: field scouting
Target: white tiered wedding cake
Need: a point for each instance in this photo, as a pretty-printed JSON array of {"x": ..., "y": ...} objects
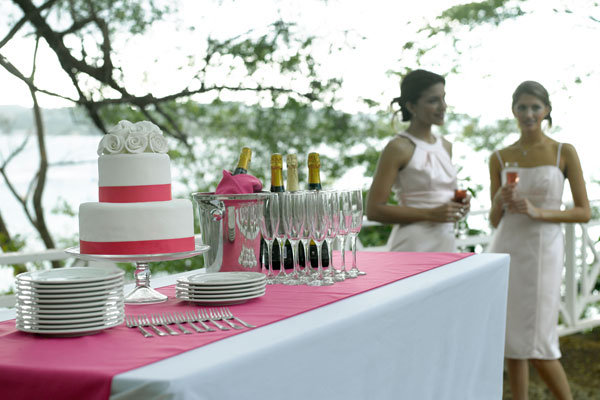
[{"x": 136, "y": 214}]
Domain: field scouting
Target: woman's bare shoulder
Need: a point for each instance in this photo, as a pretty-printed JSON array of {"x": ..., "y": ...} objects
[{"x": 398, "y": 151}]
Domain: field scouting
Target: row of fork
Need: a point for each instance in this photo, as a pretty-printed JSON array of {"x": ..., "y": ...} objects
[{"x": 200, "y": 320}]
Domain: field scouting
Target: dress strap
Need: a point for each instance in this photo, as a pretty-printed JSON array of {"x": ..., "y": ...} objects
[
  {"x": 497, "y": 153},
  {"x": 558, "y": 155}
]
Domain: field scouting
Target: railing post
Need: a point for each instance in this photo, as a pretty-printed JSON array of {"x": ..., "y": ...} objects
[{"x": 570, "y": 278}]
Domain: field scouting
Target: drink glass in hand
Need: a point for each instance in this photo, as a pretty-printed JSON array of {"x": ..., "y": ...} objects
[
  {"x": 512, "y": 174},
  {"x": 459, "y": 195}
]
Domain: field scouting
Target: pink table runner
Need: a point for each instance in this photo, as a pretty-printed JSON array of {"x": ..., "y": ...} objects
[{"x": 34, "y": 366}]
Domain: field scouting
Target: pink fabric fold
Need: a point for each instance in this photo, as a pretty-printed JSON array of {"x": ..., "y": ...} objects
[
  {"x": 238, "y": 184},
  {"x": 38, "y": 367}
]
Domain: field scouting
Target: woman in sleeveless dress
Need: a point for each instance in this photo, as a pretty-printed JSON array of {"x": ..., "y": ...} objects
[
  {"x": 527, "y": 215},
  {"x": 416, "y": 165}
]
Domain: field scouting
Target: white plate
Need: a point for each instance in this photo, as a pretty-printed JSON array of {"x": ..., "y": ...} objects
[
  {"x": 68, "y": 308},
  {"x": 25, "y": 300},
  {"x": 68, "y": 321},
  {"x": 81, "y": 287},
  {"x": 70, "y": 275},
  {"x": 71, "y": 331},
  {"x": 223, "y": 278},
  {"x": 36, "y": 325},
  {"x": 186, "y": 295},
  {"x": 60, "y": 314},
  {"x": 199, "y": 293},
  {"x": 26, "y": 294},
  {"x": 221, "y": 302},
  {"x": 225, "y": 288}
]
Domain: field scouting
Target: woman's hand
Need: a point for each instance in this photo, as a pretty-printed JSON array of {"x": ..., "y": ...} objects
[
  {"x": 524, "y": 206},
  {"x": 508, "y": 194},
  {"x": 449, "y": 212}
]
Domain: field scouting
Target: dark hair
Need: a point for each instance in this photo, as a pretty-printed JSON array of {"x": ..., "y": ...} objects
[
  {"x": 534, "y": 89},
  {"x": 412, "y": 86}
]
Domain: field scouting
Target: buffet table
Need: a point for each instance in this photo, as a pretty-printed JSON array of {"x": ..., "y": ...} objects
[{"x": 434, "y": 335}]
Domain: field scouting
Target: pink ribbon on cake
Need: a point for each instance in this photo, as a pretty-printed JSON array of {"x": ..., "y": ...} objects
[
  {"x": 238, "y": 184},
  {"x": 134, "y": 194},
  {"x": 139, "y": 247}
]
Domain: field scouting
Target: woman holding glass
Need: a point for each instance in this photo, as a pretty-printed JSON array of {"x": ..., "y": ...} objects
[
  {"x": 527, "y": 214},
  {"x": 416, "y": 165}
]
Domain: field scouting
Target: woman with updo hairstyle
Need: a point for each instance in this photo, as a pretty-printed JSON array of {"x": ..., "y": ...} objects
[
  {"x": 416, "y": 165},
  {"x": 526, "y": 184}
]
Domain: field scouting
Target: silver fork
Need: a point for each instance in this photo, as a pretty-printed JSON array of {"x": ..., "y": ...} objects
[
  {"x": 158, "y": 320},
  {"x": 131, "y": 323},
  {"x": 206, "y": 317},
  {"x": 179, "y": 317},
  {"x": 215, "y": 313},
  {"x": 145, "y": 321},
  {"x": 170, "y": 318},
  {"x": 229, "y": 315},
  {"x": 191, "y": 317}
]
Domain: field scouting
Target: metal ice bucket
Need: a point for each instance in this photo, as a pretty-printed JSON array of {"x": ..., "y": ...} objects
[{"x": 229, "y": 224}]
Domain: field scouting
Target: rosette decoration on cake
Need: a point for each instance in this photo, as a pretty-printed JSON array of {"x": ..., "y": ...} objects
[{"x": 136, "y": 213}]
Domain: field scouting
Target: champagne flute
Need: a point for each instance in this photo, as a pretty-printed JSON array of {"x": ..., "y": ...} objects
[
  {"x": 280, "y": 235},
  {"x": 356, "y": 202},
  {"x": 319, "y": 224},
  {"x": 294, "y": 213},
  {"x": 269, "y": 227},
  {"x": 511, "y": 171},
  {"x": 334, "y": 216},
  {"x": 306, "y": 274},
  {"x": 511, "y": 174},
  {"x": 459, "y": 196},
  {"x": 345, "y": 213}
]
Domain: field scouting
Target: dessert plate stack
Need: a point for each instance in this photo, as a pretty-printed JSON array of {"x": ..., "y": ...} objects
[
  {"x": 221, "y": 288},
  {"x": 69, "y": 301}
]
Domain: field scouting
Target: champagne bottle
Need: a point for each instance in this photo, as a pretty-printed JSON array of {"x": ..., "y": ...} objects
[
  {"x": 244, "y": 161},
  {"x": 314, "y": 183},
  {"x": 291, "y": 161},
  {"x": 276, "y": 187}
]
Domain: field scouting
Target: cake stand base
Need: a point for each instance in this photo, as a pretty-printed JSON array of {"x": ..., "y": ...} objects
[{"x": 144, "y": 295}]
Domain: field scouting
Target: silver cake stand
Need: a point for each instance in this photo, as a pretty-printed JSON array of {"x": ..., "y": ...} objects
[{"x": 142, "y": 293}]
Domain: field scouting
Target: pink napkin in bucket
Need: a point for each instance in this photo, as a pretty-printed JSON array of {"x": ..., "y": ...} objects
[{"x": 237, "y": 184}]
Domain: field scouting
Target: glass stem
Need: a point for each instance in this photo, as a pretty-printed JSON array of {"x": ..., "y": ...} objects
[
  {"x": 142, "y": 274},
  {"x": 330, "y": 252},
  {"x": 307, "y": 266},
  {"x": 295, "y": 252},
  {"x": 282, "y": 273},
  {"x": 353, "y": 237},
  {"x": 343, "y": 268},
  {"x": 270, "y": 257},
  {"x": 319, "y": 261}
]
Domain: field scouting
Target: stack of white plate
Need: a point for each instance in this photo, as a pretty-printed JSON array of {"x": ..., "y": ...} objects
[
  {"x": 221, "y": 288},
  {"x": 69, "y": 301}
]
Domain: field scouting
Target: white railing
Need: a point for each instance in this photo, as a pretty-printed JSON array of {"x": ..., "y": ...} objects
[{"x": 579, "y": 307}]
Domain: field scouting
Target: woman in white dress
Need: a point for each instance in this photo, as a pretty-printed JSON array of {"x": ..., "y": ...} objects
[
  {"x": 527, "y": 216},
  {"x": 417, "y": 166}
]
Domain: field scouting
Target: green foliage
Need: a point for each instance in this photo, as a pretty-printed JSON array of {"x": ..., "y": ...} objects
[
  {"x": 64, "y": 208},
  {"x": 478, "y": 13},
  {"x": 132, "y": 16}
]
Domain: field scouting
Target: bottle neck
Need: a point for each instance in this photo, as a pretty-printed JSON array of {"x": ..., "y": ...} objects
[
  {"x": 277, "y": 180},
  {"x": 292, "y": 179},
  {"x": 314, "y": 179},
  {"x": 244, "y": 161}
]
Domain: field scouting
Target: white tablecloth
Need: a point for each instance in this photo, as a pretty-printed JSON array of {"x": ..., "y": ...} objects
[{"x": 437, "y": 335}]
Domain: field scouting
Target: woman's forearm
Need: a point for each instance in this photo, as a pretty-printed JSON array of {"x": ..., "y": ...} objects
[
  {"x": 394, "y": 214},
  {"x": 572, "y": 215},
  {"x": 496, "y": 210}
]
